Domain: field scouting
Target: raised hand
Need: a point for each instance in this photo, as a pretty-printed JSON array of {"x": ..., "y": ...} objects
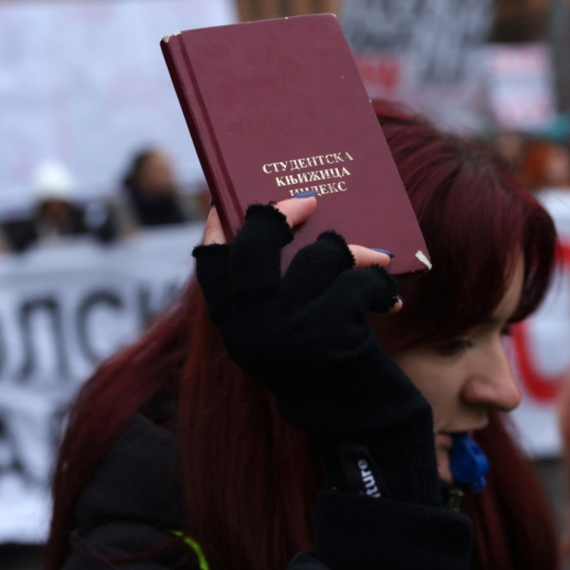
[{"x": 304, "y": 336}]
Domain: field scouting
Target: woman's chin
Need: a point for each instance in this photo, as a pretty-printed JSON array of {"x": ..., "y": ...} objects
[
  {"x": 445, "y": 474},
  {"x": 443, "y": 465}
]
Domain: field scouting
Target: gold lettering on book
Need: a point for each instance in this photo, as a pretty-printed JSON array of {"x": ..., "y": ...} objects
[
  {"x": 282, "y": 172},
  {"x": 321, "y": 189}
]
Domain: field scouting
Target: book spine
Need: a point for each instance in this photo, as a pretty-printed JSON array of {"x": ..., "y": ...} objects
[{"x": 202, "y": 134}]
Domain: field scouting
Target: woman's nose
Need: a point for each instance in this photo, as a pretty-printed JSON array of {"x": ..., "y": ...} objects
[{"x": 491, "y": 383}]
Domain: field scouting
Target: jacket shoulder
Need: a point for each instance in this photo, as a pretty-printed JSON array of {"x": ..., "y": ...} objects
[{"x": 131, "y": 504}]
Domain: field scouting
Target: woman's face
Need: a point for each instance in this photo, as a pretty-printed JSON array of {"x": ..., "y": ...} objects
[{"x": 466, "y": 377}]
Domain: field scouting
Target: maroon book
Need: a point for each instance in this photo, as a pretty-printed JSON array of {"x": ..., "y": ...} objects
[{"x": 276, "y": 108}]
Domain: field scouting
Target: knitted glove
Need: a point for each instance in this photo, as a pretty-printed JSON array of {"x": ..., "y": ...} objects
[{"x": 304, "y": 336}]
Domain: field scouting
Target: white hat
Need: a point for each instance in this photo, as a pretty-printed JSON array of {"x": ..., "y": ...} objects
[{"x": 53, "y": 181}]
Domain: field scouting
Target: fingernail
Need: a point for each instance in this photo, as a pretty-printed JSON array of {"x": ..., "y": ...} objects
[
  {"x": 306, "y": 194},
  {"x": 388, "y": 253},
  {"x": 402, "y": 299},
  {"x": 212, "y": 203}
]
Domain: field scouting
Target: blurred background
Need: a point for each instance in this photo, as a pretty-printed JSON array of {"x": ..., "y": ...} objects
[{"x": 102, "y": 195}]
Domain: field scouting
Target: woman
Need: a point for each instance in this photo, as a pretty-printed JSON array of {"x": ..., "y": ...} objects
[
  {"x": 247, "y": 479},
  {"x": 151, "y": 190}
]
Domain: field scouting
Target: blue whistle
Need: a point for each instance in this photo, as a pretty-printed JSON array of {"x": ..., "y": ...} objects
[{"x": 469, "y": 465}]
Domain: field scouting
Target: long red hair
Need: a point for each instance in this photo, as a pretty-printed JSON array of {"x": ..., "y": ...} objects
[{"x": 250, "y": 479}]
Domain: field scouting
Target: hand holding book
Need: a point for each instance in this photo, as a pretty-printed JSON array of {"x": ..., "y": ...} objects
[
  {"x": 297, "y": 212},
  {"x": 304, "y": 335}
]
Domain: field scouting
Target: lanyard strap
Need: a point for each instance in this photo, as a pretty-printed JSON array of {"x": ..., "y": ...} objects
[{"x": 195, "y": 547}]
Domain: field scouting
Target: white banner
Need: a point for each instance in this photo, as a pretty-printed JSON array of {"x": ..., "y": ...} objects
[
  {"x": 62, "y": 310},
  {"x": 521, "y": 86},
  {"x": 85, "y": 83},
  {"x": 541, "y": 347}
]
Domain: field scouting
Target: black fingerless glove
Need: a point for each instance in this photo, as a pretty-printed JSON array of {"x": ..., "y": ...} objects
[{"x": 304, "y": 336}]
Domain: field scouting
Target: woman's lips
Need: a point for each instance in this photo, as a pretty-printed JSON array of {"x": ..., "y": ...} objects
[{"x": 446, "y": 437}]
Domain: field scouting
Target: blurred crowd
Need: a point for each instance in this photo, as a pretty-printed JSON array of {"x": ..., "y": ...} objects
[
  {"x": 540, "y": 163},
  {"x": 149, "y": 196}
]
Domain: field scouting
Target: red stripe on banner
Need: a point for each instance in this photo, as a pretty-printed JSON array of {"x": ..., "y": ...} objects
[
  {"x": 541, "y": 387},
  {"x": 563, "y": 256}
]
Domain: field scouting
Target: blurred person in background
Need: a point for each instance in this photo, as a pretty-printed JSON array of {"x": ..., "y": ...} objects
[
  {"x": 153, "y": 197},
  {"x": 511, "y": 146},
  {"x": 57, "y": 213},
  {"x": 546, "y": 166}
]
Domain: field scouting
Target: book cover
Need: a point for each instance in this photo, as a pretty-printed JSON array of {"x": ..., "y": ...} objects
[{"x": 276, "y": 108}]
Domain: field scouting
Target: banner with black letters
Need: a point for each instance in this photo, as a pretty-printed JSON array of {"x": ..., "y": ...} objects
[{"x": 63, "y": 309}]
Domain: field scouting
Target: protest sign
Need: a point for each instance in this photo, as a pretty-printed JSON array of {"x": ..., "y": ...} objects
[{"x": 63, "y": 309}]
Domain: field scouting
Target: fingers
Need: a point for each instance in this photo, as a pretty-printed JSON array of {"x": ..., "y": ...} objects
[
  {"x": 397, "y": 306},
  {"x": 315, "y": 266},
  {"x": 364, "y": 256},
  {"x": 212, "y": 272},
  {"x": 254, "y": 262},
  {"x": 213, "y": 232},
  {"x": 295, "y": 210},
  {"x": 255, "y": 258},
  {"x": 363, "y": 290}
]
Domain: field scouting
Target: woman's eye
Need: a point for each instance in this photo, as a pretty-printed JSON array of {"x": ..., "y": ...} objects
[{"x": 453, "y": 347}]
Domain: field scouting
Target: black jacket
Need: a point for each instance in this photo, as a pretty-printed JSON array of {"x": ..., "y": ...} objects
[{"x": 134, "y": 502}]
